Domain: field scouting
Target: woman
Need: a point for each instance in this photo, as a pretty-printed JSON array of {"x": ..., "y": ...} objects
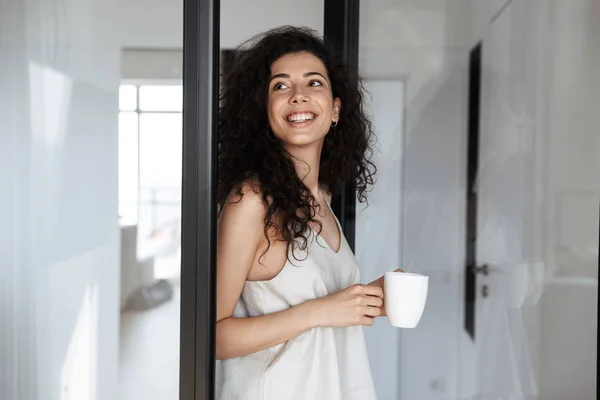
[{"x": 290, "y": 308}]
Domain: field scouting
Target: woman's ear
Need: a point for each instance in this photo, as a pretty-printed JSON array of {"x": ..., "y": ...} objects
[{"x": 337, "y": 105}]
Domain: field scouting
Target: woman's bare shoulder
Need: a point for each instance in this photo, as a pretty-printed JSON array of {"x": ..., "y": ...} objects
[
  {"x": 243, "y": 212},
  {"x": 247, "y": 194}
]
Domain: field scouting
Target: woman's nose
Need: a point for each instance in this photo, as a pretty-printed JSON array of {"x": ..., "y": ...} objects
[{"x": 299, "y": 97}]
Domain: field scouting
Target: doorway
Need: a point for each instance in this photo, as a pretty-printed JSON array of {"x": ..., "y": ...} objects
[{"x": 204, "y": 41}]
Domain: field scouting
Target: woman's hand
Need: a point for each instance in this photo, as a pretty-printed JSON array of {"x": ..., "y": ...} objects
[
  {"x": 379, "y": 283},
  {"x": 355, "y": 305}
]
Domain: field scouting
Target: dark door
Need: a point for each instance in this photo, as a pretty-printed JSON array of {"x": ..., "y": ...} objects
[{"x": 471, "y": 189}]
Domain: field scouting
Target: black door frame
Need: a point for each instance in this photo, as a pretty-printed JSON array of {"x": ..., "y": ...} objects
[
  {"x": 201, "y": 48},
  {"x": 199, "y": 202},
  {"x": 341, "y": 32}
]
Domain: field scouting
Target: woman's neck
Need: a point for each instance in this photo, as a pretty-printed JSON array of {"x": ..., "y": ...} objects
[{"x": 307, "y": 161}]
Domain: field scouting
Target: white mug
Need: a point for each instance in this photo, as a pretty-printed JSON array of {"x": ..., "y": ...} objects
[{"x": 404, "y": 296}]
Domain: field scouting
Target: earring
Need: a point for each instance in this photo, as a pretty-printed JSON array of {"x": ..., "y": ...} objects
[{"x": 333, "y": 125}]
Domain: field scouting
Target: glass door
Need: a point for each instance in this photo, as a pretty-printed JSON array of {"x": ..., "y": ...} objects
[{"x": 90, "y": 169}]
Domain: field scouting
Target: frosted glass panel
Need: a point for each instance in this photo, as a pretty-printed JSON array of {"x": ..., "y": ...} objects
[
  {"x": 60, "y": 239},
  {"x": 81, "y": 317}
]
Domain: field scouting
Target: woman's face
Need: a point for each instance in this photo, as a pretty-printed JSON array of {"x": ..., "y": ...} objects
[{"x": 301, "y": 107}]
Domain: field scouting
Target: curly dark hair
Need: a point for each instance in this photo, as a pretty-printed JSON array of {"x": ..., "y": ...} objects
[{"x": 250, "y": 152}]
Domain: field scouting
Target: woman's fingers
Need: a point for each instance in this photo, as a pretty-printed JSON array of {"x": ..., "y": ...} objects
[
  {"x": 367, "y": 321},
  {"x": 371, "y": 311},
  {"x": 371, "y": 301},
  {"x": 375, "y": 291}
]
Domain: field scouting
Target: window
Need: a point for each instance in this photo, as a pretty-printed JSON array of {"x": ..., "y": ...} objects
[{"x": 150, "y": 160}]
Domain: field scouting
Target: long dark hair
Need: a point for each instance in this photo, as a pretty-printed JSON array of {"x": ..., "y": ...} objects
[{"x": 250, "y": 152}]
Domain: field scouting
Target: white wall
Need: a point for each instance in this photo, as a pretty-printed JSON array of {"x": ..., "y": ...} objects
[
  {"x": 158, "y": 24},
  {"x": 60, "y": 240},
  {"x": 242, "y": 19},
  {"x": 572, "y": 197}
]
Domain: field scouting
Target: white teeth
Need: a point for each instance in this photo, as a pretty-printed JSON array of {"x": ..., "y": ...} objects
[{"x": 300, "y": 117}]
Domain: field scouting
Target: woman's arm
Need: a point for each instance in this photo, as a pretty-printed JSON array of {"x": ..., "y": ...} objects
[
  {"x": 239, "y": 237},
  {"x": 238, "y": 337}
]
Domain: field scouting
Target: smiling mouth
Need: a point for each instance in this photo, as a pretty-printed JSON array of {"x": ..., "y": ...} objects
[{"x": 300, "y": 117}]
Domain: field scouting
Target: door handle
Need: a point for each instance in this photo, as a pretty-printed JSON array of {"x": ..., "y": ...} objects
[{"x": 483, "y": 269}]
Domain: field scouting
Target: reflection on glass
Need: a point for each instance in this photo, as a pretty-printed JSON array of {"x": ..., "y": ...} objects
[
  {"x": 83, "y": 315},
  {"x": 79, "y": 368}
]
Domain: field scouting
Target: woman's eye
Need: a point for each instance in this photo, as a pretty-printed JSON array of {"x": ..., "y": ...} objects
[
  {"x": 315, "y": 83},
  {"x": 279, "y": 86}
]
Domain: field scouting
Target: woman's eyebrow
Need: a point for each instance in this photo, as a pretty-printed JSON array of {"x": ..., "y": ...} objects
[{"x": 306, "y": 75}]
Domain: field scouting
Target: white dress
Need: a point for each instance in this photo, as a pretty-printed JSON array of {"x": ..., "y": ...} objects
[{"x": 322, "y": 363}]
